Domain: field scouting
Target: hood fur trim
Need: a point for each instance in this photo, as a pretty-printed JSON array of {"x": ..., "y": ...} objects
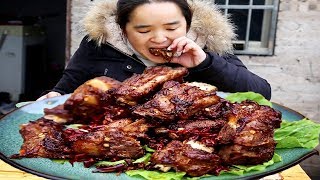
[{"x": 208, "y": 28}]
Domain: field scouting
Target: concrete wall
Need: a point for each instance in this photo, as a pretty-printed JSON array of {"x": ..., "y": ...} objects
[{"x": 293, "y": 71}]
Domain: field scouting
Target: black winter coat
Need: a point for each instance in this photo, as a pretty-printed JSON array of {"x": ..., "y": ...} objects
[{"x": 226, "y": 72}]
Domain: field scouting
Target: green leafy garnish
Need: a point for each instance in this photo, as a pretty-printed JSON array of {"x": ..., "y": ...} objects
[
  {"x": 60, "y": 161},
  {"x": 148, "y": 149},
  {"x": 110, "y": 163},
  {"x": 242, "y": 96},
  {"x": 303, "y": 133},
  {"x": 145, "y": 159},
  {"x": 240, "y": 170},
  {"x": 154, "y": 175}
]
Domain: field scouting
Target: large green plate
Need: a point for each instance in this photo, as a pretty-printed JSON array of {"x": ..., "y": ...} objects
[{"x": 11, "y": 141}]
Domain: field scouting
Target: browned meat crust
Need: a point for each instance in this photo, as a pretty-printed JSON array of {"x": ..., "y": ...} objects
[
  {"x": 117, "y": 140},
  {"x": 164, "y": 52},
  {"x": 88, "y": 100},
  {"x": 249, "y": 134},
  {"x": 246, "y": 155},
  {"x": 178, "y": 101},
  {"x": 183, "y": 157},
  {"x": 135, "y": 89},
  {"x": 90, "y": 103},
  {"x": 43, "y": 138}
]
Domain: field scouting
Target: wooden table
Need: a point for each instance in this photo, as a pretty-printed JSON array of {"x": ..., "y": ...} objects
[{"x": 9, "y": 172}]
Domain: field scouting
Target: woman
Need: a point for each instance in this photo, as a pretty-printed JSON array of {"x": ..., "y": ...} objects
[{"x": 119, "y": 36}]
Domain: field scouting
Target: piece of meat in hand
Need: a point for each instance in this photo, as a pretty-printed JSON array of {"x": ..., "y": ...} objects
[
  {"x": 163, "y": 52},
  {"x": 178, "y": 101},
  {"x": 43, "y": 138},
  {"x": 191, "y": 157},
  {"x": 140, "y": 86}
]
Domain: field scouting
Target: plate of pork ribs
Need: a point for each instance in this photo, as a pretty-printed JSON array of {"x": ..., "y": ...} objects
[{"x": 154, "y": 126}]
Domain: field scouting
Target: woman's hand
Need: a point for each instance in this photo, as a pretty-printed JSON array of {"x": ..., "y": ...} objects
[
  {"x": 191, "y": 53},
  {"x": 49, "y": 95}
]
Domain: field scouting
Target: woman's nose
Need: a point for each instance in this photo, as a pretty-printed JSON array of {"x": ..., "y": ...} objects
[{"x": 159, "y": 37}]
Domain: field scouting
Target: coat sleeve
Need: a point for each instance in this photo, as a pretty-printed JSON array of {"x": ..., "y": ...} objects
[
  {"x": 229, "y": 74},
  {"x": 78, "y": 69}
]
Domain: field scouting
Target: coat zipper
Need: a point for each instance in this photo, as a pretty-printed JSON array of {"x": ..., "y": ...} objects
[{"x": 126, "y": 54}]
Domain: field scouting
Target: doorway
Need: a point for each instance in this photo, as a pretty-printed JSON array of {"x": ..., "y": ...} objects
[{"x": 43, "y": 49}]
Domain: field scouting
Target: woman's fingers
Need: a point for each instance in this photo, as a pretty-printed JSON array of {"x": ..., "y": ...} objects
[
  {"x": 188, "y": 47},
  {"x": 187, "y": 52},
  {"x": 183, "y": 45},
  {"x": 178, "y": 44}
]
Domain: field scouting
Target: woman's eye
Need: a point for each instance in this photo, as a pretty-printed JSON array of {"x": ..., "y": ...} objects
[
  {"x": 143, "y": 32},
  {"x": 171, "y": 29}
]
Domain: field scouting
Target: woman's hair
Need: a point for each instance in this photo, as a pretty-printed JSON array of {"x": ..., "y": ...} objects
[{"x": 125, "y": 8}]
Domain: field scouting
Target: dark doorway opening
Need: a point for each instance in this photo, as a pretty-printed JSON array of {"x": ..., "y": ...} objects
[{"x": 42, "y": 51}]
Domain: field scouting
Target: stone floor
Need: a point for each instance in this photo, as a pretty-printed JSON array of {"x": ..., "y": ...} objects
[{"x": 312, "y": 166}]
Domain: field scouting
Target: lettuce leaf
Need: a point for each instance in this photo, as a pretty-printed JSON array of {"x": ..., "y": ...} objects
[
  {"x": 60, "y": 161},
  {"x": 154, "y": 175},
  {"x": 144, "y": 159},
  {"x": 236, "y": 170},
  {"x": 242, "y": 96},
  {"x": 240, "y": 170},
  {"x": 110, "y": 163},
  {"x": 303, "y": 133},
  {"x": 148, "y": 149}
]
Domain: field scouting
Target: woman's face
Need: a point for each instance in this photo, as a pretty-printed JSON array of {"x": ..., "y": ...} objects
[{"x": 155, "y": 25}]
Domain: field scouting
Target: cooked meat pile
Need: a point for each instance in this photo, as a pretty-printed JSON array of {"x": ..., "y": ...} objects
[{"x": 190, "y": 128}]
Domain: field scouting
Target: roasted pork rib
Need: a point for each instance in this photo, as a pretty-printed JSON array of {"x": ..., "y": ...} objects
[
  {"x": 178, "y": 101},
  {"x": 135, "y": 89},
  {"x": 89, "y": 99},
  {"x": 90, "y": 103},
  {"x": 116, "y": 140},
  {"x": 190, "y": 157},
  {"x": 248, "y": 135},
  {"x": 43, "y": 138}
]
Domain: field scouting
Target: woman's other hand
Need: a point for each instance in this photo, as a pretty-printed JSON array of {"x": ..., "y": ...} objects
[
  {"x": 49, "y": 95},
  {"x": 187, "y": 52}
]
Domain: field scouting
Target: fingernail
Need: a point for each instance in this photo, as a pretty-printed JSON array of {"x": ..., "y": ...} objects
[
  {"x": 169, "y": 48},
  {"x": 177, "y": 54}
]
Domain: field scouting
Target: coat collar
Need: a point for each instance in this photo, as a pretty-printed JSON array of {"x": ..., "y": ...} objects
[{"x": 208, "y": 28}]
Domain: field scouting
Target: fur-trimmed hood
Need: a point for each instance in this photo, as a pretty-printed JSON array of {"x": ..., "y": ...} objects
[{"x": 208, "y": 28}]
